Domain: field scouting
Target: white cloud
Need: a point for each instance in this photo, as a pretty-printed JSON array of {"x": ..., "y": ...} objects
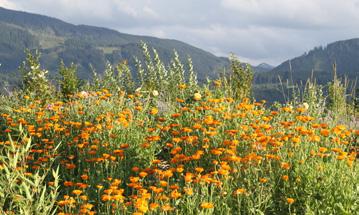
[
  {"x": 7, "y": 4},
  {"x": 257, "y": 30},
  {"x": 296, "y": 13}
]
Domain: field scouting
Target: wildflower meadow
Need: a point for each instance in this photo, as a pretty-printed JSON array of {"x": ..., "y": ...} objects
[{"x": 160, "y": 142}]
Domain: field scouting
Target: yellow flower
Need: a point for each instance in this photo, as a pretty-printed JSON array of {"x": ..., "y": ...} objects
[
  {"x": 197, "y": 96},
  {"x": 153, "y": 111},
  {"x": 77, "y": 192},
  {"x": 207, "y": 205},
  {"x": 188, "y": 191},
  {"x": 141, "y": 205}
]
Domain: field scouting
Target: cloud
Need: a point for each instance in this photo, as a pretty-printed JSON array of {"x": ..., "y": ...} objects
[
  {"x": 7, "y": 4},
  {"x": 256, "y": 30}
]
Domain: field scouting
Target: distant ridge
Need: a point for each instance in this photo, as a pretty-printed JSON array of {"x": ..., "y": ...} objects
[
  {"x": 86, "y": 45},
  {"x": 319, "y": 60},
  {"x": 263, "y": 67}
]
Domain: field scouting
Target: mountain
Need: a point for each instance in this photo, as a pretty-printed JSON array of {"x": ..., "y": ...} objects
[
  {"x": 263, "y": 67},
  {"x": 85, "y": 46},
  {"x": 319, "y": 62}
]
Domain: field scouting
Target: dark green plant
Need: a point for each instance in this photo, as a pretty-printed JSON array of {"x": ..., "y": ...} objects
[
  {"x": 69, "y": 82},
  {"x": 241, "y": 78}
]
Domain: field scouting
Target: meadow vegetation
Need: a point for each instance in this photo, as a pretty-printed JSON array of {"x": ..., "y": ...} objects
[{"x": 160, "y": 143}]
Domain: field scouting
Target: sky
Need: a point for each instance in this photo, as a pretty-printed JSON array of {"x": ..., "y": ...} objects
[{"x": 257, "y": 31}]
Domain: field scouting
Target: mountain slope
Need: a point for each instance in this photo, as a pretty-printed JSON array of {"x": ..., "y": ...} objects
[
  {"x": 86, "y": 45},
  {"x": 263, "y": 67},
  {"x": 320, "y": 61}
]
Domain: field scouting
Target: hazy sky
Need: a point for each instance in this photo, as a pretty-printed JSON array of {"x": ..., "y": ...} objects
[{"x": 256, "y": 30}]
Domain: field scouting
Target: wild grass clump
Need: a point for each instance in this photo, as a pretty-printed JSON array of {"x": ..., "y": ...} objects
[
  {"x": 159, "y": 146},
  {"x": 25, "y": 190}
]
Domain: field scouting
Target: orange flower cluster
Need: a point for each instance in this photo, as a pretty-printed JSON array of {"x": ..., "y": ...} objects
[{"x": 133, "y": 157}]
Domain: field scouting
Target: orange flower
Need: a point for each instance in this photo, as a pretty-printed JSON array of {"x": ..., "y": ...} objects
[
  {"x": 285, "y": 177},
  {"x": 163, "y": 183},
  {"x": 84, "y": 197},
  {"x": 239, "y": 191},
  {"x": 76, "y": 192},
  {"x": 199, "y": 169},
  {"x": 154, "y": 206},
  {"x": 216, "y": 152},
  {"x": 263, "y": 180},
  {"x": 175, "y": 194},
  {"x": 105, "y": 198},
  {"x": 167, "y": 207},
  {"x": 143, "y": 174},
  {"x": 207, "y": 205},
  {"x": 290, "y": 201},
  {"x": 68, "y": 184},
  {"x": 84, "y": 177},
  {"x": 325, "y": 132},
  {"x": 188, "y": 177},
  {"x": 285, "y": 165}
]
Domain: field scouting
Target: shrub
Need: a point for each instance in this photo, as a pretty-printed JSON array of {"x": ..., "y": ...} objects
[
  {"x": 69, "y": 82},
  {"x": 35, "y": 81}
]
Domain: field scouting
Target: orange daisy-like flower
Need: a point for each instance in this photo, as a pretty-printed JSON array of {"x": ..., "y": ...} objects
[
  {"x": 207, "y": 205},
  {"x": 290, "y": 201},
  {"x": 77, "y": 192},
  {"x": 239, "y": 191}
]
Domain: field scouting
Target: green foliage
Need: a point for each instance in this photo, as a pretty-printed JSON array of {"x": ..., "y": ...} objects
[
  {"x": 192, "y": 76},
  {"x": 314, "y": 98},
  {"x": 109, "y": 80},
  {"x": 69, "y": 82},
  {"x": 35, "y": 81},
  {"x": 167, "y": 80},
  {"x": 356, "y": 100},
  {"x": 337, "y": 96},
  {"x": 124, "y": 77},
  {"x": 21, "y": 191},
  {"x": 241, "y": 79}
]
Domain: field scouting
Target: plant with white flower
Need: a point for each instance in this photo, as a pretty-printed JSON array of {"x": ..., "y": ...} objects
[
  {"x": 34, "y": 78},
  {"x": 155, "y": 93},
  {"x": 305, "y": 106}
]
